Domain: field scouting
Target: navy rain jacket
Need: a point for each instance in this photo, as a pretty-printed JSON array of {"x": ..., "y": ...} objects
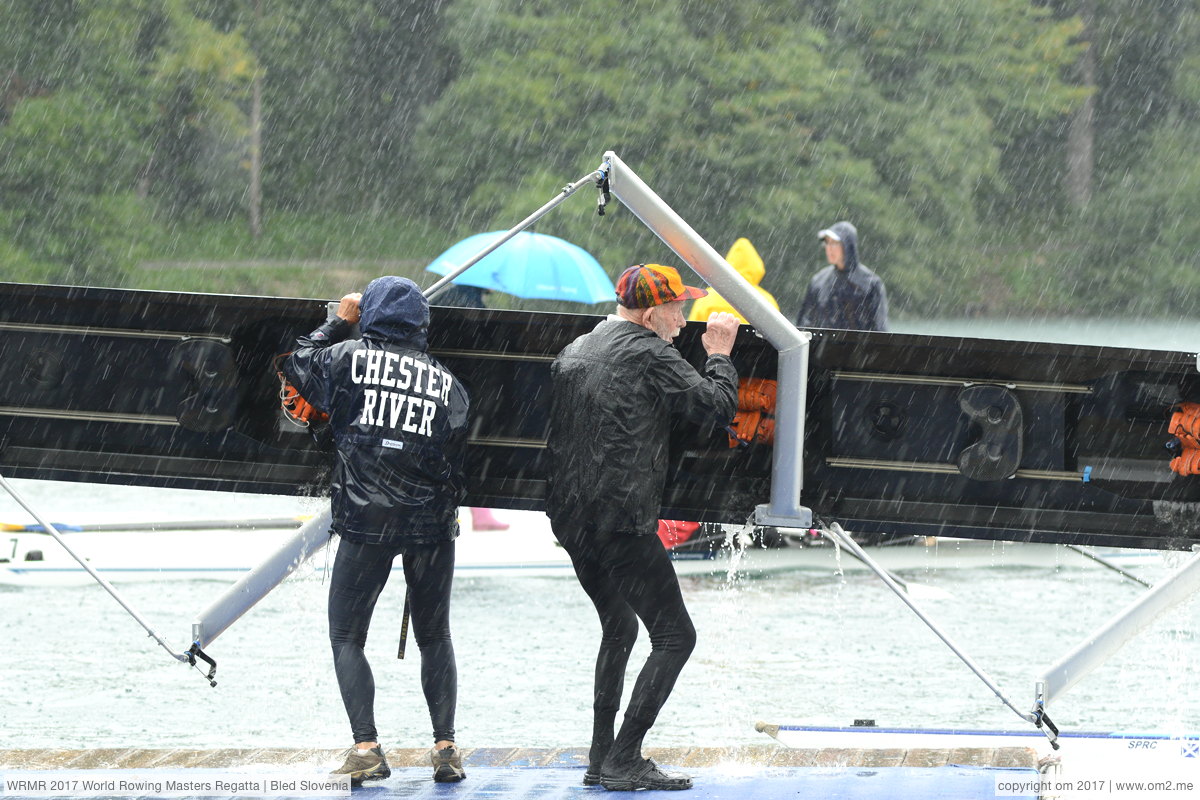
[
  {"x": 616, "y": 390},
  {"x": 398, "y": 418},
  {"x": 850, "y": 299}
]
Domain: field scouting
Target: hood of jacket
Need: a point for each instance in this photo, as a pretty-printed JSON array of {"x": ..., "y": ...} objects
[
  {"x": 849, "y": 236},
  {"x": 746, "y": 260},
  {"x": 394, "y": 310}
]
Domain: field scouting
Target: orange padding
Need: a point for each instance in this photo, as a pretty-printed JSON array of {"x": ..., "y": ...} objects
[
  {"x": 756, "y": 394},
  {"x": 1185, "y": 423},
  {"x": 1188, "y": 463},
  {"x": 299, "y": 408},
  {"x": 755, "y": 419},
  {"x": 1185, "y": 426},
  {"x": 292, "y": 403}
]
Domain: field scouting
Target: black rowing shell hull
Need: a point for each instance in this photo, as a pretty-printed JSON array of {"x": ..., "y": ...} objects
[{"x": 904, "y": 434}]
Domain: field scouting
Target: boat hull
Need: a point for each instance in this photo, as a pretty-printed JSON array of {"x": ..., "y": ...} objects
[{"x": 904, "y": 434}]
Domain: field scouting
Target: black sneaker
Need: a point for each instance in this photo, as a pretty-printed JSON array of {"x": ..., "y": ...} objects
[
  {"x": 447, "y": 765},
  {"x": 643, "y": 775},
  {"x": 596, "y": 755},
  {"x": 364, "y": 765}
]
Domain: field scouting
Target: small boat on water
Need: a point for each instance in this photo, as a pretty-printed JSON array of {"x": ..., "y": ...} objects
[{"x": 225, "y": 550}]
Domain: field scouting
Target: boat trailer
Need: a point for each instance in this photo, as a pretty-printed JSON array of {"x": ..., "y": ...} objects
[{"x": 888, "y": 432}]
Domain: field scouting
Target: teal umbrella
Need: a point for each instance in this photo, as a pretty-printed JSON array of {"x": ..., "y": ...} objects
[{"x": 530, "y": 265}]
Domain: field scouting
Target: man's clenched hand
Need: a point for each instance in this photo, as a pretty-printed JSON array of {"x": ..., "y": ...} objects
[{"x": 720, "y": 334}]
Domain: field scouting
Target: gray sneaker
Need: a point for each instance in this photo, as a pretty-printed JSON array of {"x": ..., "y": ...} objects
[
  {"x": 364, "y": 765},
  {"x": 447, "y": 765}
]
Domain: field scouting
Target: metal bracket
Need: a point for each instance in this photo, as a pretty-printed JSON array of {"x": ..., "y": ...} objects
[
  {"x": 255, "y": 584},
  {"x": 787, "y": 472},
  {"x": 1098, "y": 646},
  {"x": 787, "y": 459},
  {"x": 195, "y": 652}
]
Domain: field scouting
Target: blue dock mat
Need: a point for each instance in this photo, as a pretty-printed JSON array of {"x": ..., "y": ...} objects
[
  {"x": 769, "y": 783},
  {"x": 953, "y": 782}
]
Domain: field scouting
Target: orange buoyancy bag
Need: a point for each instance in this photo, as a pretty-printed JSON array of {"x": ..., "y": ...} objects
[
  {"x": 1187, "y": 463},
  {"x": 1185, "y": 425},
  {"x": 295, "y": 408},
  {"x": 754, "y": 422},
  {"x": 757, "y": 394}
]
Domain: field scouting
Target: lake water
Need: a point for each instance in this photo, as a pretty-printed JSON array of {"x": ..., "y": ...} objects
[
  {"x": 794, "y": 647},
  {"x": 1181, "y": 335}
]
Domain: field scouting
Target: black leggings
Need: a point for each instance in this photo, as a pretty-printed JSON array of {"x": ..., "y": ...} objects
[
  {"x": 629, "y": 577},
  {"x": 360, "y": 572}
]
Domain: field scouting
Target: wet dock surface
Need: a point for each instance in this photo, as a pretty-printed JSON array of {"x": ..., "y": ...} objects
[
  {"x": 682, "y": 758},
  {"x": 764, "y": 772}
]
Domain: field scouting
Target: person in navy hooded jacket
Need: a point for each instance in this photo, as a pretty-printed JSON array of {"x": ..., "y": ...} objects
[
  {"x": 844, "y": 294},
  {"x": 399, "y": 422}
]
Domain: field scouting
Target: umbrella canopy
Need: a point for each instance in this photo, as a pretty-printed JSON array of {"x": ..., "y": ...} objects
[{"x": 530, "y": 265}]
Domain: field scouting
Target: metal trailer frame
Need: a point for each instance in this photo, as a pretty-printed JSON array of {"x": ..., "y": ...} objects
[
  {"x": 1096, "y": 648},
  {"x": 787, "y": 459},
  {"x": 785, "y": 509}
]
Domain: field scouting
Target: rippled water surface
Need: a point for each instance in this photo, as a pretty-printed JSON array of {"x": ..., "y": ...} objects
[
  {"x": 817, "y": 648},
  {"x": 1182, "y": 335}
]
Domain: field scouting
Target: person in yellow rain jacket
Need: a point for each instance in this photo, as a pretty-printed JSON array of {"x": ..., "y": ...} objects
[{"x": 746, "y": 260}]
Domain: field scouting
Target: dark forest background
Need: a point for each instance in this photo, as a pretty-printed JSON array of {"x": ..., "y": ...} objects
[{"x": 999, "y": 157}]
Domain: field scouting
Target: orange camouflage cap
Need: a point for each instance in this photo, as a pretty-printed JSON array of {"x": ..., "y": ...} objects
[{"x": 649, "y": 285}]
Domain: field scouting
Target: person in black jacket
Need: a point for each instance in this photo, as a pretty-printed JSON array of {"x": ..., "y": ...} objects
[
  {"x": 844, "y": 294},
  {"x": 399, "y": 421},
  {"x": 615, "y": 393}
]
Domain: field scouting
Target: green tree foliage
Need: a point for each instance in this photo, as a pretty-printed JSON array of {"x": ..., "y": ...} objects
[
  {"x": 717, "y": 119},
  {"x": 64, "y": 199},
  {"x": 954, "y": 85},
  {"x": 345, "y": 81},
  {"x": 940, "y": 127},
  {"x": 198, "y": 78},
  {"x": 67, "y": 147},
  {"x": 1137, "y": 245},
  {"x": 98, "y": 98},
  {"x": 765, "y": 120}
]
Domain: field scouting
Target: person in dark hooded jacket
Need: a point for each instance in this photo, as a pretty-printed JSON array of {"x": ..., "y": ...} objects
[
  {"x": 615, "y": 393},
  {"x": 399, "y": 421},
  {"x": 845, "y": 294}
]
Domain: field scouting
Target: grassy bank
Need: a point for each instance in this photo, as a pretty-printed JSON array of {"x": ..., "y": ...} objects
[
  {"x": 325, "y": 255},
  {"x": 297, "y": 255}
]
